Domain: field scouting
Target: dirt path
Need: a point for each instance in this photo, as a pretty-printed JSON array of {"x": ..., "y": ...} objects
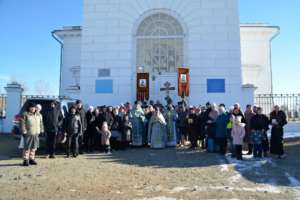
[{"x": 152, "y": 174}]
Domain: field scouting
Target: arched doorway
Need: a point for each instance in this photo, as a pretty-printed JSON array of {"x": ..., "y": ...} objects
[{"x": 160, "y": 51}]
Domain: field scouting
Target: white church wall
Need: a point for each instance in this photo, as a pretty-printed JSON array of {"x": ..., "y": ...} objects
[
  {"x": 70, "y": 61},
  {"x": 256, "y": 56},
  {"x": 213, "y": 48},
  {"x": 212, "y": 45}
]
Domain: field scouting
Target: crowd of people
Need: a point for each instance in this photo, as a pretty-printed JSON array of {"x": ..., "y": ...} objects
[{"x": 149, "y": 124}]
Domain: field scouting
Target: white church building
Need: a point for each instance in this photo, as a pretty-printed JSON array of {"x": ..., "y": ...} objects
[{"x": 228, "y": 62}]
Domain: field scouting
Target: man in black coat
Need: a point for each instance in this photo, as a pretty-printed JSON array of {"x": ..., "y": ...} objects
[
  {"x": 278, "y": 121},
  {"x": 260, "y": 122},
  {"x": 52, "y": 121},
  {"x": 182, "y": 125},
  {"x": 81, "y": 112},
  {"x": 72, "y": 128},
  {"x": 193, "y": 127},
  {"x": 88, "y": 135}
]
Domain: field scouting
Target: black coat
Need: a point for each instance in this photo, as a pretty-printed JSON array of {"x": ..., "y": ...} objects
[
  {"x": 72, "y": 125},
  {"x": 109, "y": 118},
  {"x": 81, "y": 113},
  {"x": 193, "y": 125},
  {"x": 105, "y": 117},
  {"x": 260, "y": 122},
  {"x": 90, "y": 117},
  {"x": 277, "y": 132},
  {"x": 280, "y": 117},
  {"x": 52, "y": 120},
  {"x": 201, "y": 119},
  {"x": 182, "y": 119},
  {"x": 117, "y": 123}
]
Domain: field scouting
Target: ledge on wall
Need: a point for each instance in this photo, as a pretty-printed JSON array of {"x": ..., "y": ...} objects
[
  {"x": 248, "y": 85},
  {"x": 73, "y": 89}
]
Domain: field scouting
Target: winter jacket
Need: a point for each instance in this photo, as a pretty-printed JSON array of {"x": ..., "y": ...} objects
[
  {"x": 279, "y": 117},
  {"x": 32, "y": 124},
  {"x": 238, "y": 134},
  {"x": 82, "y": 114},
  {"x": 240, "y": 114},
  {"x": 126, "y": 131},
  {"x": 221, "y": 125},
  {"x": 105, "y": 137},
  {"x": 52, "y": 120},
  {"x": 90, "y": 118},
  {"x": 260, "y": 122},
  {"x": 72, "y": 125},
  {"x": 193, "y": 125},
  {"x": 117, "y": 122},
  {"x": 248, "y": 117},
  {"x": 182, "y": 119}
]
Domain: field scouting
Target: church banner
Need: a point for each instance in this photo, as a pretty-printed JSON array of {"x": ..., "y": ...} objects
[
  {"x": 183, "y": 82},
  {"x": 142, "y": 86}
]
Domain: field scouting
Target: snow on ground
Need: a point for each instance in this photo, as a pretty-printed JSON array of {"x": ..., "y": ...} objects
[
  {"x": 263, "y": 189},
  {"x": 255, "y": 166},
  {"x": 291, "y": 134},
  {"x": 293, "y": 181}
]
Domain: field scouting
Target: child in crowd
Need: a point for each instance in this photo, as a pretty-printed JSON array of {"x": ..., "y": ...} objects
[
  {"x": 105, "y": 137},
  {"x": 238, "y": 134}
]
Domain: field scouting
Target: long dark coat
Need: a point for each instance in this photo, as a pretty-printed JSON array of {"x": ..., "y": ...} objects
[{"x": 276, "y": 145}]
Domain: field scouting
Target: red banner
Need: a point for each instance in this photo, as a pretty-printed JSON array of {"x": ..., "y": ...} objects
[
  {"x": 142, "y": 86},
  {"x": 183, "y": 82}
]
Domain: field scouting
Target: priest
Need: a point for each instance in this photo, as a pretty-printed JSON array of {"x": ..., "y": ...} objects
[
  {"x": 171, "y": 118},
  {"x": 157, "y": 129},
  {"x": 137, "y": 118}
]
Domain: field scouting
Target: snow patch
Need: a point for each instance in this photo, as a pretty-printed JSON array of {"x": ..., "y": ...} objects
[
  {"x": 294, "y": 182},
  {"x": 224, "y": 167},
  {"x": 263, "y": 188},
  {"x": 179, "y": 189},
  {"x": 223, "y": 164},
  {"x": 235, "y": 179},
  {"x": 249, "y": 163}
]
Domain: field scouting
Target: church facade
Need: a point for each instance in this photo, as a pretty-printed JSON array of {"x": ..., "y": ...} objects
[{"x": 228, "y": 62}]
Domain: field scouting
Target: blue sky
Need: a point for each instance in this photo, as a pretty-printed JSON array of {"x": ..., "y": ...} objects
[{"x": 30, "y": 55}]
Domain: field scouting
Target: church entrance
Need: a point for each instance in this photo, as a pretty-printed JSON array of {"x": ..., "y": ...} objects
[
  {"x": 159, "y": 52},
  {"x": 156, "y": 86},
  {"x": 163, "y": 85}
]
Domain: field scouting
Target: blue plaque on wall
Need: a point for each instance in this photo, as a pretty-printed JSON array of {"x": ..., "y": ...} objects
[
  {"x": 104, "y": 86},
  {"x": 215, "y": 85}
]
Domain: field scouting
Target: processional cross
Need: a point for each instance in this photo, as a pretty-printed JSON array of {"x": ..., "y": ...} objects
[{"x": 167, "y": 88}]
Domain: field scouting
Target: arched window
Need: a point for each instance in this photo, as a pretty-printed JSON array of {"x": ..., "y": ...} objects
[{"x": 160, "y": 44}]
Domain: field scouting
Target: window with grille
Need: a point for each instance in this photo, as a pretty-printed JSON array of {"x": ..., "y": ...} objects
[{"x": 160, "y": 44}]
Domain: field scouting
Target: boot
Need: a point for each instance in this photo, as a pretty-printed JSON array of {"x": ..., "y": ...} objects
[
  {"x": 32, "y": 162},
  {"x": 250, "y": 149},
  {"x": 25, "y": 163},
  {"x": 52, "y": 156}
]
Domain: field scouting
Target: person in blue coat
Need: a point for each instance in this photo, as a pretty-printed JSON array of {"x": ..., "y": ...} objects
[{"x": 221, "y": 129}]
